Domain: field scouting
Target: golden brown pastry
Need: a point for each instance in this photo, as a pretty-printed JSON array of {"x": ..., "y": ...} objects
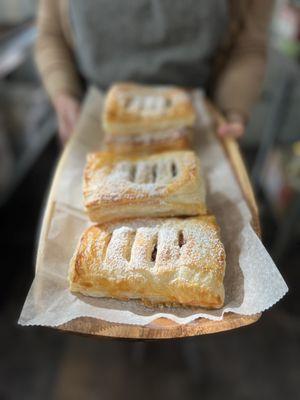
[
  {"x": 172, "y": 139},
  {"x": 159, "y": 185},
  {"x": 131, "y": 109},
  {"x": 160, "y": 261}
]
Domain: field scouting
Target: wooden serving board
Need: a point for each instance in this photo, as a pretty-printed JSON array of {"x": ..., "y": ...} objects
[{"x": 161, "y": 328}]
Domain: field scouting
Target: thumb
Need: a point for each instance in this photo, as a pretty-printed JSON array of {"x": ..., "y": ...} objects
[
  {"x": 233, "y": 129},
  {"x": 73, "y": 113}
]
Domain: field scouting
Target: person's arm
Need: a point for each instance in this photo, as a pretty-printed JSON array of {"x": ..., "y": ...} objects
[
  {"x": 57, "y": 66},
  {"x": 240, "y": 81}
]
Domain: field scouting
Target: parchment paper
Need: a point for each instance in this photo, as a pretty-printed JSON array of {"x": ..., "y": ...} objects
[{"x": 252, "y": 281}]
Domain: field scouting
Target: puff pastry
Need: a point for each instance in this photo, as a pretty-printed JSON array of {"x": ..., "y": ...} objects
[
  {"x": 160, "y": 261},
  {"x": 131, "y": 109},
  {"x": 172, "y": 139},
  {"x": 159, "y": 185}
]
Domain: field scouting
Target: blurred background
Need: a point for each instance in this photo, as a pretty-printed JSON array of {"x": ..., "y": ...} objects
[{"x": 256, "y": 362}]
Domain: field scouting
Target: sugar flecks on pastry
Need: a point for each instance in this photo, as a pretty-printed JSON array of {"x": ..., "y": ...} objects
[
  {"x": 132, "y": 109},
  {"x": 160, "y": 185},
  {"x": 160, "y": 261}
]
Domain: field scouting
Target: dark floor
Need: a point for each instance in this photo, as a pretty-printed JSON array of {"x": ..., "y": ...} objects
[{"x": 261, "y": 361}]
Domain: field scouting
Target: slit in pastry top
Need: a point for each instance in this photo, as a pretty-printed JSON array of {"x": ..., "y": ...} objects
[
  {"x": 146, "y": 105},
  {"x": 142, "y": 172}
]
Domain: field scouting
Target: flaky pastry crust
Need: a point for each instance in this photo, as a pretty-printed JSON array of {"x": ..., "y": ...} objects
[
  {"x": 158, "y": 185},
  {"x": 160, "y": 261},
  {"x": 131, "y": 109},
  {"x": 149, "y": 142}
]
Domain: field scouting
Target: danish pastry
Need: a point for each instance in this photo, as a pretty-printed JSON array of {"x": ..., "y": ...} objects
[
  {"x": 159, "y": 185},
  {"x": 160, "y": 261},
  {"x": 131, "y": 109}
]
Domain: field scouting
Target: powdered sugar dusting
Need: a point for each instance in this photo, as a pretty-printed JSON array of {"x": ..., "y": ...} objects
[
  {"x": 118, "y": 249},
  {"x": 151, "y": 101},
  {"x": 147, "y": 105},
  {"x": 132, "y": 245},
  {"x": 136, "y": 179}
]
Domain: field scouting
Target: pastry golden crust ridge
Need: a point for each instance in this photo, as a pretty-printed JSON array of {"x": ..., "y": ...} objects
[
  {"x": 160, "y": 261},
  {"x": 159, "y": 185},
  {"x": 147, "y": 143},
  {"x": 131, "y": 109}
]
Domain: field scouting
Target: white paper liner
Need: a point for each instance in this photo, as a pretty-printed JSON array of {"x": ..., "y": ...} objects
[{"x": 252, "y": 281}]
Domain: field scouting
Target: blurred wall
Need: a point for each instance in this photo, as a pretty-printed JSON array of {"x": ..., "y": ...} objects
[{"x": 12, "y": 11}]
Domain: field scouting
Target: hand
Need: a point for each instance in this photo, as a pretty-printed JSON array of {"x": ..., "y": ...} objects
[
  {"x": 67, "y": 110},
  {"x": 235, "y": 126}
]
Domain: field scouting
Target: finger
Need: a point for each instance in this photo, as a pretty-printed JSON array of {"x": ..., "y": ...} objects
[
  {"x": 63, "y": 129},
  {"x": 74, "y": 113},
  {"x": 222, "y": 130},
  {"x": 72, "y": 117},
  {"x": 235, "y": 130}
]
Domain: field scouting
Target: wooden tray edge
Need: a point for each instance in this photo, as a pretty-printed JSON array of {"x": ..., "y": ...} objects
[
  {"x": 231, "y": 147},
  {"x": 159, "y": 329}
]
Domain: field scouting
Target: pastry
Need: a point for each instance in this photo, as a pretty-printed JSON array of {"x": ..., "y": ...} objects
[
  {"x": 159, "y": 185},
  {"x": 160, "y": 261},
  {"x": 131, "y": 109},
  {"x": 149, "y": 142}
]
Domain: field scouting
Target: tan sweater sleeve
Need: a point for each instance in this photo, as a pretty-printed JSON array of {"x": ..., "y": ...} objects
[
  {"x": 53, "y": 53},
  {"x": 240, "y": 81}
]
